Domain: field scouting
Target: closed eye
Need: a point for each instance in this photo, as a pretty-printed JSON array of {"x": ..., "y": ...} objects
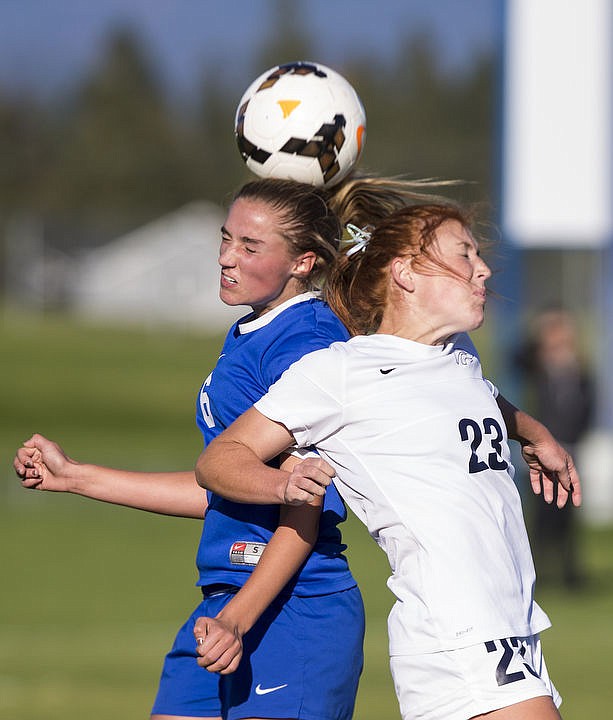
[{"x": 246, "y": 244}]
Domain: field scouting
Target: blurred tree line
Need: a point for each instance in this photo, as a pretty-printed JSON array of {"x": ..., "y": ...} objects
[{"x": 117, "y": 152}]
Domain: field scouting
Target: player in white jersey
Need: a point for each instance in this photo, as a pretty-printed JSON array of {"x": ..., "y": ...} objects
[{"x": 419, "y": 449}]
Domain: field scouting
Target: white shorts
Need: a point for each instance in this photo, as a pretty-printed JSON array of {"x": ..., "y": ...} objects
[{"x": 459, "y": 684}]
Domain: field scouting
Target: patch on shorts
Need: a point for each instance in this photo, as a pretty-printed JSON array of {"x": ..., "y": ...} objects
[{"x": 246, "y": 553}]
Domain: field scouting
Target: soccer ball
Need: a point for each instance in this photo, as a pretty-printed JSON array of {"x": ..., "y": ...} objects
[{"x": 301, "y": 121}]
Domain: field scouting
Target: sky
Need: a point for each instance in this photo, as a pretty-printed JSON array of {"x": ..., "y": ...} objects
[{"x": 47, "y": 45}]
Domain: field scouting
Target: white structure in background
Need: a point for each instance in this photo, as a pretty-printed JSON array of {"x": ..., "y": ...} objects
[
  {"x": 557, "y": 138},
  {"x": 557, "y": 185},
  {"x": 164, "y": 273}
]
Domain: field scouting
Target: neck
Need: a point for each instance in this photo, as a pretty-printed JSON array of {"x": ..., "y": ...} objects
[
  {"x": 407, "y": 325},
  {"x": 292, "y": 289}
]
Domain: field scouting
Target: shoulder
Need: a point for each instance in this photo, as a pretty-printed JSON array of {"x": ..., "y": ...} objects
[
  {"x": 308, "y": 326},
  {"x": 319, "y": 318},
  {"x": 326, "y": 366},
  {"x": 312, "y": 380},
  {"x": 462, "y": 341},
  {"x": 300, "y": 329}
]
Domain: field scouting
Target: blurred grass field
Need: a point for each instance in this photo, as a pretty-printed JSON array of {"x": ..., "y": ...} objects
[{"x": 92, "y": 594}]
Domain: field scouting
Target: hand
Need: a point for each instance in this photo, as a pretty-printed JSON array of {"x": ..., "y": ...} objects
[
  {"x": 219, "y": 645},
  {"x": 43, "y": 465},
  {"x": 550, "y": 465},
  {"x": 308, "y": 480}
]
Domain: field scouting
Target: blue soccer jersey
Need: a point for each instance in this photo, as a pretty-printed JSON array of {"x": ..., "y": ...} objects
[{"x": 254, "y": 355}]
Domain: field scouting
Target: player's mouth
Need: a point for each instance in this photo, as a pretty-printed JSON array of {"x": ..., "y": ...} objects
[
  {"x": 481, "y": 294},
  {"x": 227, "y": 281}
]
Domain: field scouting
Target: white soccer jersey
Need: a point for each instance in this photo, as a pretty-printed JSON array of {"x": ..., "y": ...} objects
[{"x": 420, "y": 450}]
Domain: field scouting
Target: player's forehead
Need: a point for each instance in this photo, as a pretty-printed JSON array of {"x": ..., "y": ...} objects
[
  {"x": 256, "y": 222},
  {"x": 256, "y": 213},
  {"x": 452, "y": 234}
]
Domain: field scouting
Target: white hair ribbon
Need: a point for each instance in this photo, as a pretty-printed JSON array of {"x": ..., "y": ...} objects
[{"x": 360, "y": 238}]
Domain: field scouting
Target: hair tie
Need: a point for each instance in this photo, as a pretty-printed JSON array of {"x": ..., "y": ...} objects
[{"x": 360, "y": 237}]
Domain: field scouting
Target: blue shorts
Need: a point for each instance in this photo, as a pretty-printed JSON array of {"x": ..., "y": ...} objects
[{"x": 302, "y": 659}]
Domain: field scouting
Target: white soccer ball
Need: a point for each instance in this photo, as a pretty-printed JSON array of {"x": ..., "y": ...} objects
[{"x": 301, "y": 121}]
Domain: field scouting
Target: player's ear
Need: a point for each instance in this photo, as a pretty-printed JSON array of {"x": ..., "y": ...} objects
[
  {"x": 304, "y": 264},
  {"x": 402, "y": 273}
]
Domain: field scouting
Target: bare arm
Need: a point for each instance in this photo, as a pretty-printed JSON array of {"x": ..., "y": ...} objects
[
  {"x": 549, "y": 463},
  {"x": 219, "y": 639},
  {"x": 42, "y": 465},
  {"x": 233, "y": 465}
]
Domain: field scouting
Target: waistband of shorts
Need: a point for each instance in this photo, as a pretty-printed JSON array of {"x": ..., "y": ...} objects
[{"x": 214, "y": 589}]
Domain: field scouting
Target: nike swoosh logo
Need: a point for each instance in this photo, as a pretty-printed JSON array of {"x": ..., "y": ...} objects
[
  {"x": 387, "y": 371},
  {"x": 259, "y": 690}
]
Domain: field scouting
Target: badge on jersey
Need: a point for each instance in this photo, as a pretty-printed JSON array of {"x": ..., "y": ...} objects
[{"x": 246, "y": 553}]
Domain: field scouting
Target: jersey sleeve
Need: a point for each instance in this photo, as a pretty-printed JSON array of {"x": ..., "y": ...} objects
[
  {"x": 491, "y": 387},
  {"x": 306, "y": 334},
  {"x": 306, "y": 399}
]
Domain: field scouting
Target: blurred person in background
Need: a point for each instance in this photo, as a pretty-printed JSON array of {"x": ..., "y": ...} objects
[{"x": 560, "y": 391}]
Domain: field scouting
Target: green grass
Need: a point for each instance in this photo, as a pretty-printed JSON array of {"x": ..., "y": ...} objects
[{"x": 91, "y": 595}]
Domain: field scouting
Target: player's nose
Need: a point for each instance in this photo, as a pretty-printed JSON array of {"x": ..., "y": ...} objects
[
  {"x": 482, "y": 269},
  {"x": 227, "y": 255}
]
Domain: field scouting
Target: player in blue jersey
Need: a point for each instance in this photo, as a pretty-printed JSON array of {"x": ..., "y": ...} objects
[
  {"x": 418, "y": 447},
  {"x": 277, "y": 243}
]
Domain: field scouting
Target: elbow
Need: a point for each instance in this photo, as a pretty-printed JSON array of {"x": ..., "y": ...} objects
[
  {"x": 210, "y": 466},
  {"x": 202, "y": 470},
  {"x": 200, "y": 474}
]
